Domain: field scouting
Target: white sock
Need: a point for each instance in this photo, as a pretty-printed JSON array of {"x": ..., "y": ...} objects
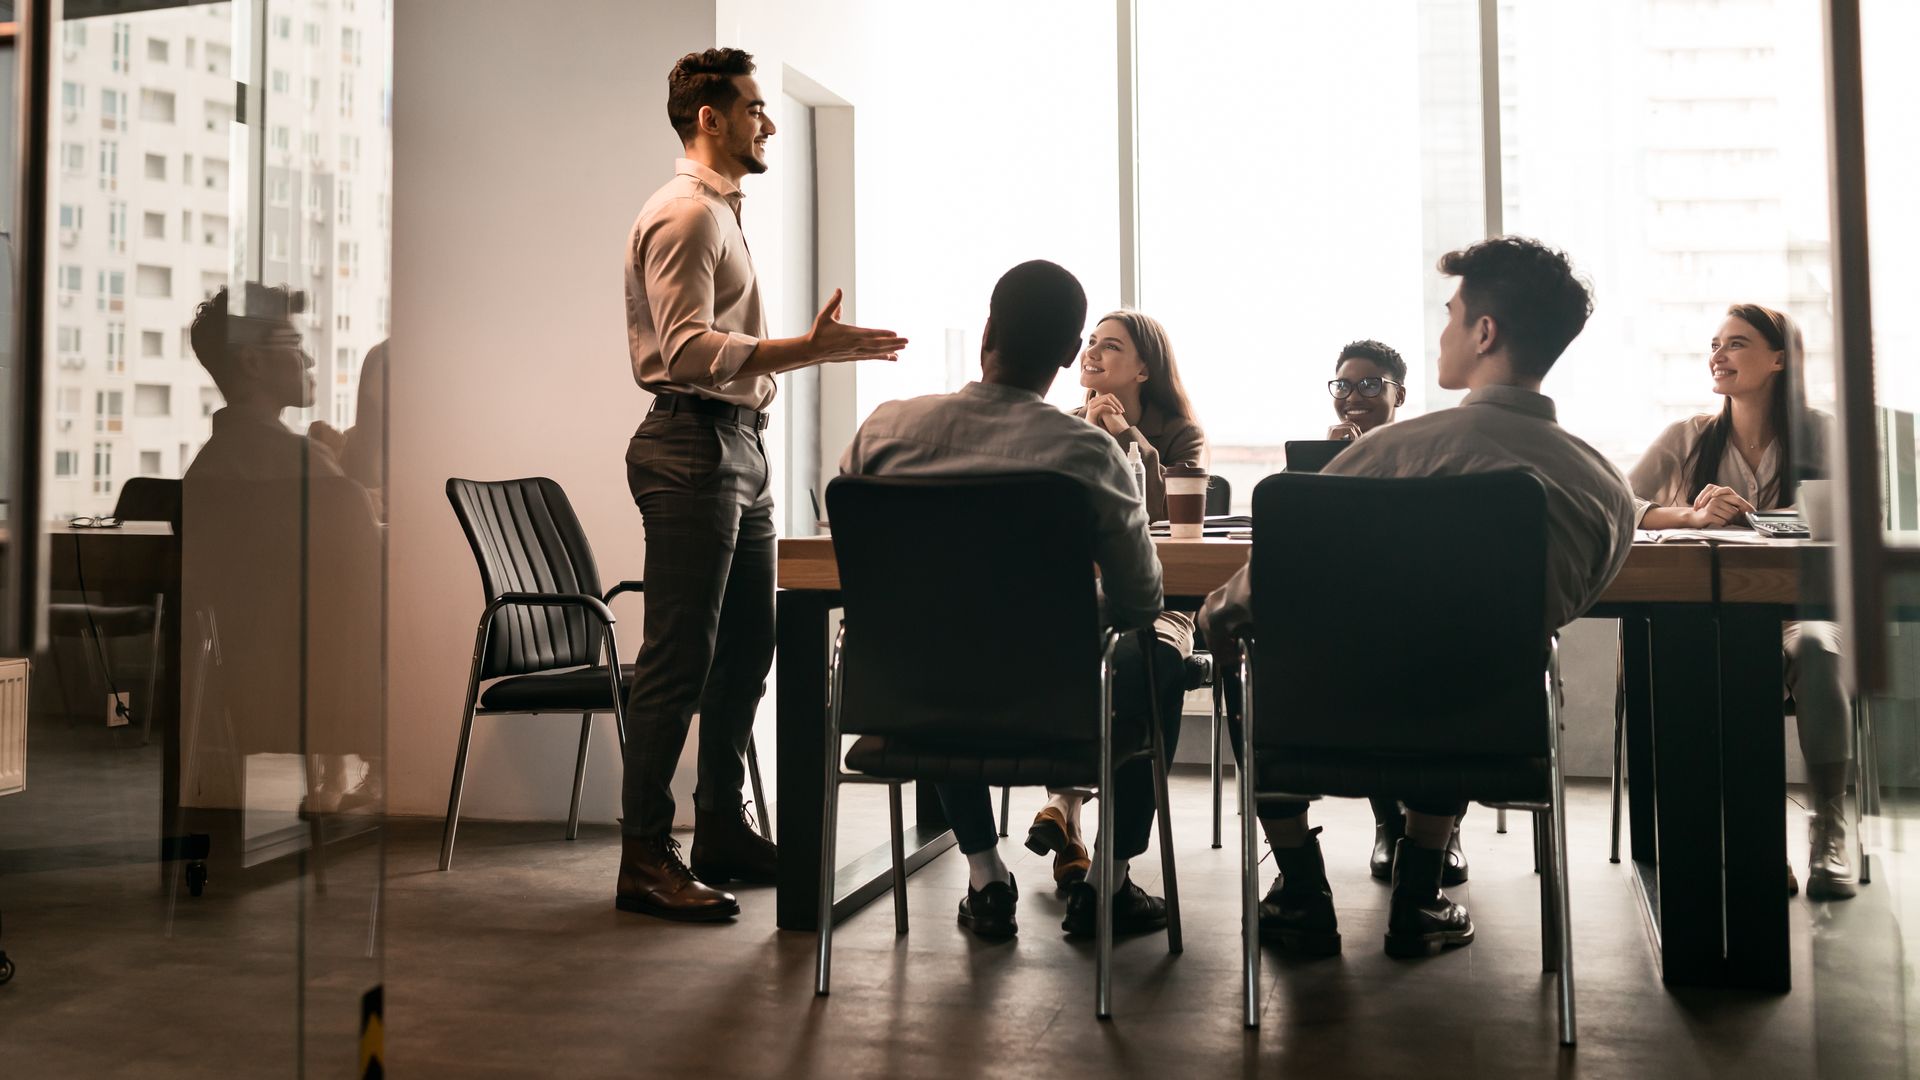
[
  {"x": 984, "y": 868},
  {"x": 1119, "y": 872}
]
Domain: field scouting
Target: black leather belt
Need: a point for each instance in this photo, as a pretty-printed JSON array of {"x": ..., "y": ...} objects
[{"x": 672, "y": 404}]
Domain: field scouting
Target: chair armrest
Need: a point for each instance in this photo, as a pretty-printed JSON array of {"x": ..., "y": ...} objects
[
  {"x": 623, "y": 587},
  {"x": 592, "y": 604}
]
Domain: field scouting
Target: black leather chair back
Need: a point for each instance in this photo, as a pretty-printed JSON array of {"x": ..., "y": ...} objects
[
  {"x": 148, "y": 498},
  {"x": 526, "y": 538},
  {"x": 970, "y": 607},
  {"x": 1219, "y": 496},
  {"x": 1312, "y": 455},
  {"x": 1400, "y": 615}
]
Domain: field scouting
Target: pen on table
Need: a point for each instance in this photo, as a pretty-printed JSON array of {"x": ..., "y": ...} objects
[{"x": 815, "y": 496}]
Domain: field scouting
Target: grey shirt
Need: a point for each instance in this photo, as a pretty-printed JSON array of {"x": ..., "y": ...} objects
[
  {"x": 990, "y": 428},
  {"x": 1590, "y": 512}
]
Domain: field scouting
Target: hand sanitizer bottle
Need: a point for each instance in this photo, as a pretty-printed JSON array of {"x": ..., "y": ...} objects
[{"x": 1139, "y": 468}]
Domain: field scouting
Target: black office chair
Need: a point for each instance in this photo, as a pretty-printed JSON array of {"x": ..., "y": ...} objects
[
  {"x": 1462, "y": 701},
  {"x": 544, "y": 628},
  {"x": 1197, "y": 672},
  {"x": 1313, "y": 455},
  {"x": 143, "y": 498},
  {"x": 940, "y": 686}
]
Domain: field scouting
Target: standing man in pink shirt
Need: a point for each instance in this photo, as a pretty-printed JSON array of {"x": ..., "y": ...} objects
[{"x": 698, "y": 471}]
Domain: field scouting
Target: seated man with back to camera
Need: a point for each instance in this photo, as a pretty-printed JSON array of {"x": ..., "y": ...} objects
[
  {"x": 1518, "y": 307},
  {"x": 1002, "y": 424}
]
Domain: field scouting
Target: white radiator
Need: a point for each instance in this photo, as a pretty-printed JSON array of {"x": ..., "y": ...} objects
[{"x": 13, "y": 726}]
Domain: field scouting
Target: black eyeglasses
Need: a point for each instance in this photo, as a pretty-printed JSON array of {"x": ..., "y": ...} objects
[
  {"x": 1371, "y": 386},
  {"x": 94, "y": 523}
]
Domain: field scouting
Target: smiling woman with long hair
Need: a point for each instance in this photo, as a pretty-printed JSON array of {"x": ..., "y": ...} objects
[
  {"x": 1135, "y": 395},
  {"x": 1707, "y": 471}
]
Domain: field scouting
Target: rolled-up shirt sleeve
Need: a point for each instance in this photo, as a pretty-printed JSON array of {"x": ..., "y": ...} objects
[
  {"x": 1129, "y": 567},
  {"x": 678, "y": 252},
  {"x": 1658, "y": 477}
]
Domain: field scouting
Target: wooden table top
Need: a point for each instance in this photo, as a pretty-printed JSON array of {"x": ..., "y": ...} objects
[{"x": 1676, "y": 572}]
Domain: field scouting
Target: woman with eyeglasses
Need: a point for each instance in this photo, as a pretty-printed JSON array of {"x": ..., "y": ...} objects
[
  {"x": 1709, "y": 471},
  {"x": 1369, "y": 385},
  {"x": 1134, "y": 393}
]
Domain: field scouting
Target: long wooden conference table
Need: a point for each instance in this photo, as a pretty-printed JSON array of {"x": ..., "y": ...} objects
[{"x": 1706, "y": 745}]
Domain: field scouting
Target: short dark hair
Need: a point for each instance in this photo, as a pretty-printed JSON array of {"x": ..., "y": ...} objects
[
  {"x": 702, "y": 79},
  {"x": 208, "y": 331},
  {"x": 1035, "y": 317},
  {"x": 1379, "y": 354},
  {"x": 1531, "y": 292}
]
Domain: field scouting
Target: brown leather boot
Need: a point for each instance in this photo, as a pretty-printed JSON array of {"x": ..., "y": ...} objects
[
  {"x": 653, "y": 881},
  {"x": 727, "y": 847}
]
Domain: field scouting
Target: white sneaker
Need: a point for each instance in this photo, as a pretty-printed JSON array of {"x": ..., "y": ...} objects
[{"x": 1829, "y": 875}]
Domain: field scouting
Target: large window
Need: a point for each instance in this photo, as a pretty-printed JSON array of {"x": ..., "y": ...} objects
[
  {"x": 146, "y": 281},
  {"x": 1293, "y": 205}
]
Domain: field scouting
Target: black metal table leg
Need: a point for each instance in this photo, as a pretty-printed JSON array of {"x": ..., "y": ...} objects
[
  {"x": 1753, "y": 782},
  {"x": 1689, "y": 898}
]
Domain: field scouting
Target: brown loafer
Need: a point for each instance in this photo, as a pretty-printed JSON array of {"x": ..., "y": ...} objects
[{"x": 1048, "y": 833}]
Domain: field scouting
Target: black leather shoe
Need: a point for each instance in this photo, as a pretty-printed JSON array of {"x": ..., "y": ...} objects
[
  {"x": 1134, "y": 912},
  {"x": 653, "y": 881},
  {"x": 1297, "y": 914},
  {"x": 1389, "y": 825},
  {"x": 988, "y": 912},
  {"x": 727, "y": 847},
  {"x": 1422, "y": 921},
  {"x": 1455, "y": 870}
]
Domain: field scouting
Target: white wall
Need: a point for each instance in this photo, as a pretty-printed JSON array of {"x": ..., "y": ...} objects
[{"x": 523, "y": 148}]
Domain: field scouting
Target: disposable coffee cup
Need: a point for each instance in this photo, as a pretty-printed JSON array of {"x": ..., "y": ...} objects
[
  {"x": 1186, "y": 501},
  {"x": 1816, "y": 506}
]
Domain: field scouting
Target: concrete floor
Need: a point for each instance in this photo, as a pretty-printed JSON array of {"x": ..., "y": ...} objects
[{"x": 515, "y": 964}]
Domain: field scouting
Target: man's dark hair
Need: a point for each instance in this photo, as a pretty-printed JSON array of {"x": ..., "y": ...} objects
[
  {"x": 703, "y": 78},
  {"x": 1035, "y": 317},
  {"x": 1379, "y": 354},
  {"x": 1537, "y": 303},
  {"x": 208, "y": 332}
]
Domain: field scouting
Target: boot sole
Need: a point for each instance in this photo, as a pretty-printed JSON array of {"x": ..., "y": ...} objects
[
  {"x": 698, "y": 915},
  {"x": 988, "y": 932},
  {"x": 1448, "y": 879},
  {"x": 1414, "y": 946},
  {"x": 1302, "y": 944}
]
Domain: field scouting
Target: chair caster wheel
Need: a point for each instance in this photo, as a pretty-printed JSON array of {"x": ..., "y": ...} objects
[
  {"x": 6, "y": 969},
  {"x": 196, "y": 878}
]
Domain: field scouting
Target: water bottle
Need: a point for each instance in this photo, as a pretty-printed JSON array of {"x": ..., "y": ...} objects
[{"x": 1139, "y": 467}]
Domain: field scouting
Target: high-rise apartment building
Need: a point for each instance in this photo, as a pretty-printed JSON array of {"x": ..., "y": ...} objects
[{"x": 154, "y": 192}]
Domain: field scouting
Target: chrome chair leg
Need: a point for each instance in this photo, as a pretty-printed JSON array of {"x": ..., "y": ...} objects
[
  {"x": 1006, "y": 807},
  {"x": 1216, "y": 766},
  {"x": 153, "y": 669},
  {"x": 1557, "y": 823},
  {"x": 459, "y": 782},
  {"x": 1103, "y": 853},
  {"x": 829, "y": 821},
  {"x": 1549, "y": 937},
  {"x": 1249, "y": 851},
  {"x": 1500, "y": 822},
  {"x": 762, "y": 816},
  {"x": 579, "y": 775},
  {"x": 1163, "y": 808},
  {"x": 1619, "y": 741},
  {"x": 899, "y": 858}
]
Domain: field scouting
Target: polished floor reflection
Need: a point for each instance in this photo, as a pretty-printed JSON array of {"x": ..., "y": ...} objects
[{"x": 515, "y": 964}]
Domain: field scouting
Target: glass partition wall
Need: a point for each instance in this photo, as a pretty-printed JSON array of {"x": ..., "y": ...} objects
[{"x": 198, "y": 838}]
